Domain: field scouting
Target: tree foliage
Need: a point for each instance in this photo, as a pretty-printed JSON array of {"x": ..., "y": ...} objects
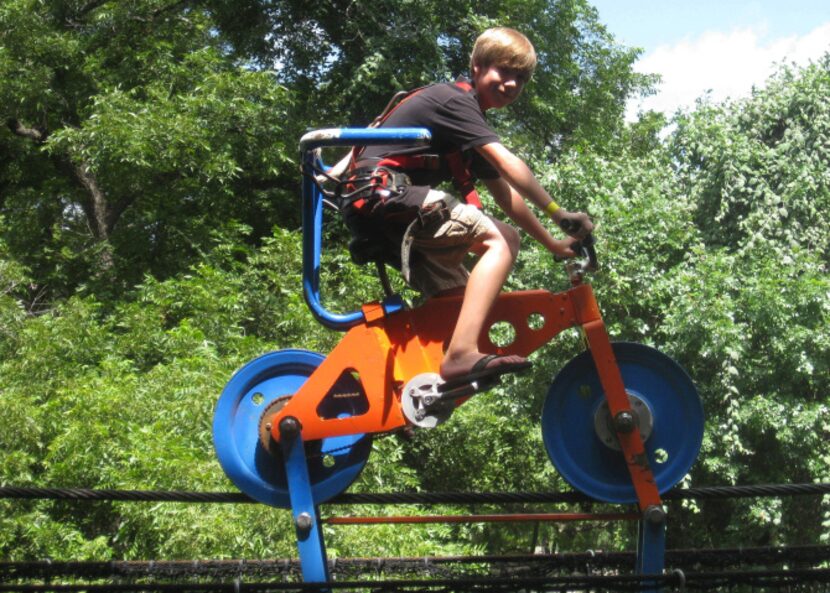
[
  {"x": 347, "y": 56},
  {"x": 134, "y": 129},
  {"x": 130, "y": 137},
  {"x": 149, "y": 247}
]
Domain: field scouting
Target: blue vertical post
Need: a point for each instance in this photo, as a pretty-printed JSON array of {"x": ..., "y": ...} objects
[
  {"x": 651, "y": 545},
  {"x": 310, "y": 544}
]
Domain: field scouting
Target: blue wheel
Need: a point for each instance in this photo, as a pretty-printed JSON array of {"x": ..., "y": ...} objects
[
  {"x": 254, "y": 464},
  {"x": 578, "y": 445}
]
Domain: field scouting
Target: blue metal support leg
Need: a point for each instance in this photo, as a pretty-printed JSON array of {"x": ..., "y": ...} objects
[
  {"x": 310, "y": 544},
  {"x": 651, "y": 545}
]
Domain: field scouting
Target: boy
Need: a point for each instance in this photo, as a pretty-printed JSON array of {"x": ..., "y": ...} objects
[{"x": 436, "y": 229}]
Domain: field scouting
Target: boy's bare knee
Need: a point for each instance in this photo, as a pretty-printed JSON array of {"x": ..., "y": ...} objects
[
  {"x": 503, "y": 237},
  {"x": 514, "y": 241},
  {"x": 510, "y": 236}
]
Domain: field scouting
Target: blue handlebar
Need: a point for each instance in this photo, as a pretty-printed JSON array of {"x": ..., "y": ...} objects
[{"x": 313, "y": 211}]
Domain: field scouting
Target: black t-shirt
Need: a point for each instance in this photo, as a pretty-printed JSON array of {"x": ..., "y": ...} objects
[{"x": 456, "y": 122}]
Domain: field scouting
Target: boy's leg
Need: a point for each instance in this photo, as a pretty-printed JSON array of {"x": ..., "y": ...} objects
[
  {"x": 442, "y": 247},
  {"x": 497, "y": 250}
]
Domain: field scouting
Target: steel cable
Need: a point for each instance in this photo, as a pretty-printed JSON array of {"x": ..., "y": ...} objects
[
  {"x": 698, "y": 558},
  {"x": 703, "y": 493},
  {"x": 784, "y": 579}
]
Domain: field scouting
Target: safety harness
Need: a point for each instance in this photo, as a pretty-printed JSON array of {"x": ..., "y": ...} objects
[
  {"x": 370, "y": 180},
  {"x": 369, "y": 186}
]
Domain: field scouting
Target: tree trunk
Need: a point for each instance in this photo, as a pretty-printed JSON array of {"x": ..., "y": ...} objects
[{"x": 100, "y": 214}]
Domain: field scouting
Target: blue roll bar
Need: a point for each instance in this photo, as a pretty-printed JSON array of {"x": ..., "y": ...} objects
[{"x": 313, "y": 211}]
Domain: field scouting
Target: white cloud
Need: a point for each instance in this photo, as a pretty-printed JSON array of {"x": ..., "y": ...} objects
[{"x": 726, "y": 64}]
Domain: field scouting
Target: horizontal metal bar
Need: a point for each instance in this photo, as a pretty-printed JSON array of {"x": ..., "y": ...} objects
[
  {"x": 503, "y": 518},
  {"x": 364, "y": 137}
]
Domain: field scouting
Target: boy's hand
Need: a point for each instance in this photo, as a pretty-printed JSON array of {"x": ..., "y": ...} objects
[
  {"x": 577, "y": 224},
  {"x": 561, "y": 249}
]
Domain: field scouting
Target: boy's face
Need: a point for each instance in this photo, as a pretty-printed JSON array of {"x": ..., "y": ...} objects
[{"x": 497, "y": 86}]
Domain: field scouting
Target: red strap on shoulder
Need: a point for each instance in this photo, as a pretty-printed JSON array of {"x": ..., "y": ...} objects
[{"x": 399, "y": 99}]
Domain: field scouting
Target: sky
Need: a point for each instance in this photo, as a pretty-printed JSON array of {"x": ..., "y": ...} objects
[{"x": 722, "y": 47}]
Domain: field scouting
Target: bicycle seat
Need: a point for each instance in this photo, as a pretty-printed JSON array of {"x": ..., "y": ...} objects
[{"x": 365, "y": 250}]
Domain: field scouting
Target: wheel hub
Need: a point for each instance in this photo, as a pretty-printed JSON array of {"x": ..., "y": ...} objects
[{"x": 604, "y": 422}]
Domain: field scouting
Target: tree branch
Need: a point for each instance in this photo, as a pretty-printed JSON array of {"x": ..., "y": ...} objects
[
  {"x": 159, "y": 11},
  {"x": 118, "y": 209},
  {"x": 101, "y": 219},
  {"x": 90, "y": 6},
  {"x": 101, "y": 214},
  {"x": 17, "y": 128},
  {"x": 169, "y": 7}
]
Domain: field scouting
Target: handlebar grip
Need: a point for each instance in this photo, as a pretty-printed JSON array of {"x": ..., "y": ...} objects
[
  {"x": 588, "y": 241},
  {"x": 585, "y": 247},
  {"x": 570, "y": 226}
]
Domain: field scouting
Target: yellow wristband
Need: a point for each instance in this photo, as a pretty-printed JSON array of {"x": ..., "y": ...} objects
[{"x": 551, "y": 208}]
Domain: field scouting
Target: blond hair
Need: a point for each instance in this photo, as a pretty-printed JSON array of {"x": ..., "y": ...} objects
[{"x": 504, "y": 47}]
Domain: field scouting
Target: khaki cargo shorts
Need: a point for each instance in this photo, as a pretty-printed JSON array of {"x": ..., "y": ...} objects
[{"x": 443, "y": 245}]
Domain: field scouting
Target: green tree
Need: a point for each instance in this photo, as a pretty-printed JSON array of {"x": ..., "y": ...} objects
[
  {"x": 757, "y": 169},
  {"x": 750, "y": 311},
  {"x": 135, "y": 128},
  {"x": 130, "y": 135},
  {"x": 349, "y": 57}
]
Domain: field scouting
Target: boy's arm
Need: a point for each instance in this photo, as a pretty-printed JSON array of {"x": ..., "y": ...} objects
[
  {"x": 515, "y": 207},
  {"x": 516, "y": 173}
]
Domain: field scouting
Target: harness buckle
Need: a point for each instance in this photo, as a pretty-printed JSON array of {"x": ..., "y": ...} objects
[
  {"x": 367, "y": 185},
  {"x": 434, "y": 213}
]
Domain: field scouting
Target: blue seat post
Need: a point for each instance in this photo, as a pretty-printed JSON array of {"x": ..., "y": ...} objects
[{"x": 312, "y": 210}]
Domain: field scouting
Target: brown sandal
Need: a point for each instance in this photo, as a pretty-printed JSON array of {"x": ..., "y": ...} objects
[{"x": 480, "y": 371}]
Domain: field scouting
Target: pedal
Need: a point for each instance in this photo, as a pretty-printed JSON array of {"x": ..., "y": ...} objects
[
  {"x": 428, "y": 401},
  {"x": 422, "y": 402}
]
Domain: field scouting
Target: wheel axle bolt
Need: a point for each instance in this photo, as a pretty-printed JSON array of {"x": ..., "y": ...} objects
[
  {"x": 304, "y": 522},
  {"x": 655, "y": 514},
  {"x": 624, "y": 422},
  {"x": 290, "y": 428}
]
